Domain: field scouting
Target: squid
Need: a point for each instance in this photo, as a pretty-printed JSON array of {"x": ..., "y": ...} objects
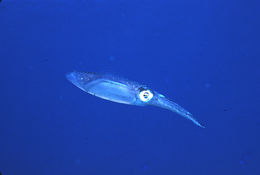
[{"x": 123, "y": 91}]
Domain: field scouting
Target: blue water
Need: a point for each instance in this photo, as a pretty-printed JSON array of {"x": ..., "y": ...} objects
[{"x": 202, "y": 54}]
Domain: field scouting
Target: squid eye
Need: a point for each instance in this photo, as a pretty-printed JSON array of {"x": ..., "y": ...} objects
[{"x": 145, "y": 95}]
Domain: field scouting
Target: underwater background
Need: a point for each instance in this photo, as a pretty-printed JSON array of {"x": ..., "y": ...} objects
[{"x": 204, "y": 55}]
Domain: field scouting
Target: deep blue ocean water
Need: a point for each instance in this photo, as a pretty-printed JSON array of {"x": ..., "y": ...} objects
[{"x": 205, "y": 55}]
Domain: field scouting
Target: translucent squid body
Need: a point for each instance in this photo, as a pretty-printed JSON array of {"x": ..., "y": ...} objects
[{"x": 123, "y": 91}]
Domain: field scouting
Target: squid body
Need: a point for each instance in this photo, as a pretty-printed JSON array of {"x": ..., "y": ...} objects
[{"x": 124, "y": 91}]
